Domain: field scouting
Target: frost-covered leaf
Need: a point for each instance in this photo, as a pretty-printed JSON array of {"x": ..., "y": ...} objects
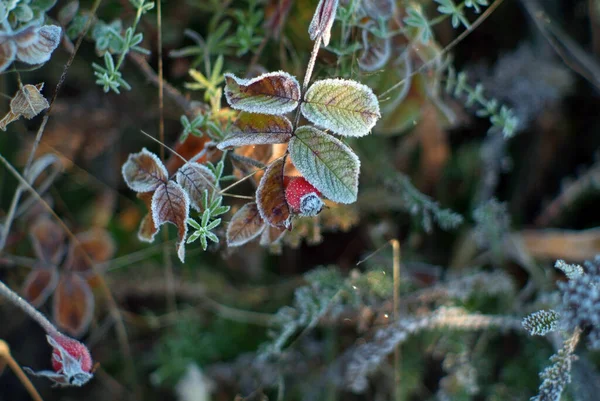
[
  {"x": 147, "y": 229},
  {"x": 541, "y": 322},
  {"x": 93, "y": 246},
  {"x": 343, "y": 106},
  {"x": 270, "y": 196},
  {"x": 323, "y": 20},
  {"x": 73, "y": 304},
  {"x": 171, "y": 204},
  {"x": 245, "y": 225},
  {"x": 36, "y": 44},
  {"x": 144, "y": 172},
  {"x": 270, "y": 93},
  {"x": 257, "y": 129},
  {"x": 39, "y": 285},
  {"x": 328, "y": 164},
  {"x": 27, "y": 102},
  {"x": 196, "y": 178}
]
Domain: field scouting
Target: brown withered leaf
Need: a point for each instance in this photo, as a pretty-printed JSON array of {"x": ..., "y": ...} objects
[
  {"x": 39, "y": 284},
  {"x": 276, "y": 12},
  {"x": 90, "y": 247},
  {"x": 187, "y": 149},
  {"x": 261, "y": 154},
  {"x": 48, "y": 240},
  {"x": 27, "y": 102},
  {"x": 271, "y": 235},
  {"x": 271, "y": 93},
  {"x": 257, "y": 129},
  {"x": 73, "y": 304},
  {"x": 270, "y": 196},
  {"x": 196, "y": 178},
  {"x": 171, "y": 204},
  {"x": 147, "y": 229},
  {"x": 144, "y": 172},
  {"x": 245, "y": 225}
]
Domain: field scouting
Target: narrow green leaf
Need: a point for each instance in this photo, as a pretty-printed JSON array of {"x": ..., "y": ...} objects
[
  {"x": 342, "y": 106},
  {"x": 327, "y": 163}
]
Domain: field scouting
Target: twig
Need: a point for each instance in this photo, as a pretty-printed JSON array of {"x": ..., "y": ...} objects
[
  {"x": 396, "y": 271},
  {"x": 14, "y": 366}
]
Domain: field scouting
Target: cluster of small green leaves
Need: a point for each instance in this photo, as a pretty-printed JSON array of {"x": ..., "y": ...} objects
[
  {"x": 212, "y": 204},
  {"x": 21, "y": 12},
  {"x": 209, "y": 83},
  {"x": 422, "y": 206},
  {"x": 199, "y": 126},
  {"x": 221, "y": 40},
  {"x": 448, "y": 9},
  {"x": 111, "y": 41},
  {"x": 502, "y": 118}
]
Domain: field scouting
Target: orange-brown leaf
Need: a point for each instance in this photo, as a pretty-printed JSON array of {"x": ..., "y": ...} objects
[
  {"x": 73, "y": 304},
  {"x": 270, "y": 196},
  {"x": 245, "y": 225},
  {"x": 47, "y": 239},
  {"x": 171, "y": 204},
  {"x": 90, "y": 247},
  {"x": 39, "y": 284}
]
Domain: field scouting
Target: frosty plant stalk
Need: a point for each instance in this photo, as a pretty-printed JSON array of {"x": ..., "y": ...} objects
[{"x": 71, "y": 360}]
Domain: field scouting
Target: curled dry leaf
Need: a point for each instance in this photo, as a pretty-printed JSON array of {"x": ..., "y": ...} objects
[
  {"x": 73, "y": 304},
  {"x": 376, "y": 51},
  {"x": 270, "y": 196},
  {"x": 90, "y": 247},
  {"x": 276, "y": 12},
  {"x": 196, "y": 178},
  {"x": 48, "y": 240},
  {"x": 31, "y": 45},
  {"x": 27, "y": 102},
  {"x": 323, "y": 20},
  {"x": 257, "y": 129},
  {"x": 245, "y": 225},
  {"x": 171, "y": 204},
  {"x": 271, "y": 93},
  {"x": 343, "y": 106},
  {"x": 144, "y": 172},
  {"x": 39, "y": 285},
  {"x": 147, "y": 229},
  {"x": 327, "y": 163}
]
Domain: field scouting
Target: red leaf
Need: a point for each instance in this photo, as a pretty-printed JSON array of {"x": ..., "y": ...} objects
[
  {"x": 245, "y": 225},
  {"x": 171, "y": 204},
  {"x": 73, "y": 305},
  {"x": 90, "y": 247},
  {"x": 270, "y": 196},
  {"x": 39, "y": 284},
  {"x": 144, "y": 172},
  {"x": 47, "y": 239}
]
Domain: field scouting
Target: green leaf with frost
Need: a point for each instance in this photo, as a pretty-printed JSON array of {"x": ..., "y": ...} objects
[
  {"x": 345, "y": 107},
  {"x": 541, "y": 322},
  {"x": 327, "y": 163},
  {"x": 272, "y": 93}
]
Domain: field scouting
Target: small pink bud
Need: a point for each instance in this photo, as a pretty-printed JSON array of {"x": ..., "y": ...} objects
[
  {"x": 323, "y": 20},
  {"x": 71, "y": 361}
]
